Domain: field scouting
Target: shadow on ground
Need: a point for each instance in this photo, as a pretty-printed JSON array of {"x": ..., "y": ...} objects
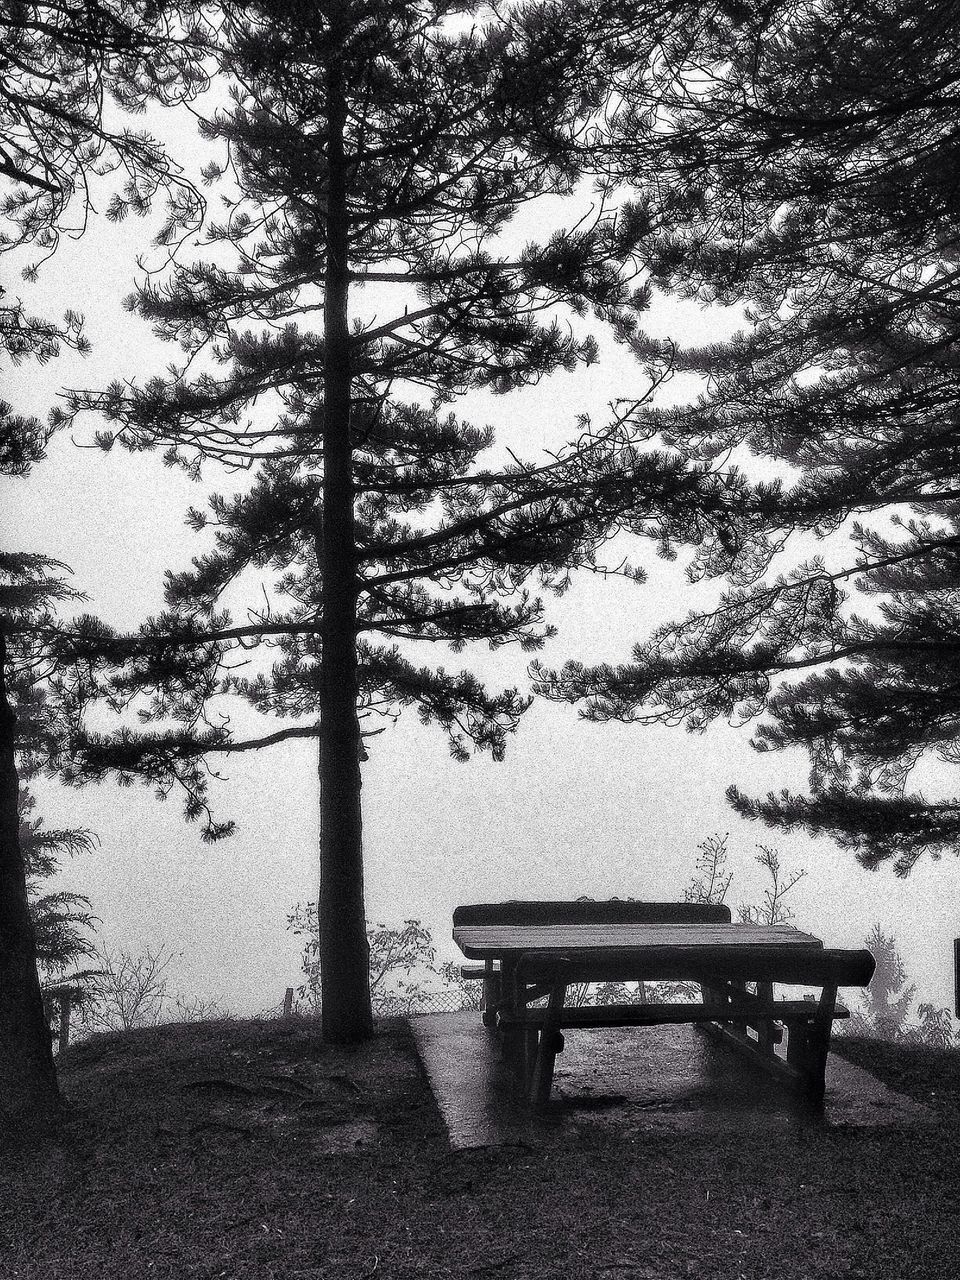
[{"x": 634, "y": 1080}]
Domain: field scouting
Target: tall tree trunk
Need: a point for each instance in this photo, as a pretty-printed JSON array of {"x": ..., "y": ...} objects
[
  {"x": 344, "y": 968},
  {"x": 29, "y": 1098}
]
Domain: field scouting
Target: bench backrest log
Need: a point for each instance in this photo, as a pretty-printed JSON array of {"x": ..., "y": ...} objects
[{"x": 613, "y": 911}]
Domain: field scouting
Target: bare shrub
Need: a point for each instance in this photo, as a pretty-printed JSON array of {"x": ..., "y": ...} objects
[
  {"x": 198, "y": 1009},
  {"x": 403, "y": 977},
  {"x": 128, "y": 990}
]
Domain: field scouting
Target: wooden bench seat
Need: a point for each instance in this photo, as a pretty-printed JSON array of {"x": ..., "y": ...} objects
[
  {"x": 654, "y": 1014},
  {"x": 805, "y": 966}
]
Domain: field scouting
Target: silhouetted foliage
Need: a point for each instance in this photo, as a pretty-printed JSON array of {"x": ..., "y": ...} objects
[
  {"x": 62, "y": 920},
  {"x": 64, "y": 69},
  {"x": 802, "y": 160},
  {"x": 712, "y": 879},
  {"x": 403, "y": 976}
]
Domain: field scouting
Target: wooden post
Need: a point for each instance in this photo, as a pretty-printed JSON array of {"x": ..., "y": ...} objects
[
  {"x": 513, "y": 993},
  {"x": 818, "y": 1042},
  {"x": 491, "y": 995},
  {"x": 765, "y": 1029},
  {"x": 288, "y": 1002},
  {"x": 551, "y": 1041},
  {"x": 737, "y": 988},
  {"x": 797, "y": 1055}
]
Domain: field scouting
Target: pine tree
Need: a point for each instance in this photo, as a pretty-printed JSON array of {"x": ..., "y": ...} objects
[
  {"x": 57, "y": 65},
  {"x": 379, "y": 150},
  {"x": 806, "y": 165},
  {"x": 62, "y": 918},
  {"x": 28, "y": 1085},
  {"x": 889, "y": 998}
]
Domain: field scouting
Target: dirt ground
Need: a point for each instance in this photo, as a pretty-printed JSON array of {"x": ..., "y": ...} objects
[{"x": 250, "y": 1151}]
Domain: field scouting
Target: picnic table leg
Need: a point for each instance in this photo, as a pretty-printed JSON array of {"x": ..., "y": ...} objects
[
  {"x": 797, "y": 1045},
  {"x": 818, "y": 1043},
  {"x": 518, "y": 1043},
  {"x": 736, "y": 986},
  {"x": 551, "y": 1042},
  {"x": 809, "y": 1043},
  {"x": 527, "y": 1039},
  {"x": 711, "y": 993},
  {"x": 491, "y": 995},
  {"x": 510, "y": 998},
  {"x": 766, "y": 1038}
]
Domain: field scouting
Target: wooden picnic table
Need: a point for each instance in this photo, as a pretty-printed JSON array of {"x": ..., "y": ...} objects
[{"x": 533, "y": 952}]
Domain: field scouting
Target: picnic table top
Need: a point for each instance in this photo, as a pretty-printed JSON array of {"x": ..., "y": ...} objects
[{"x": 490, "y": 941}]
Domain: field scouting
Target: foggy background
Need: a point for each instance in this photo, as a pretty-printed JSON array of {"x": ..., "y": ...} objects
[{"x": 576, "y": 808}]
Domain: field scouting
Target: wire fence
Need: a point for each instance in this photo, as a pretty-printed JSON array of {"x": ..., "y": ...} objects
[
  {"x": 460, "y": 996},
  {"x": 445, "y": 1000}
]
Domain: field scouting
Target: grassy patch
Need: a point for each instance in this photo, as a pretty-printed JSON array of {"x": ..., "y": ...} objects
[
  {"x": 250, "y": 1151},
  {"x": 929, "y": 1075}
]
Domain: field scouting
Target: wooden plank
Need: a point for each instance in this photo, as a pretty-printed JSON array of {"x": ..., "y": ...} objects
[
  {"x": 713, "y": 992},
  {"x": 802, "y": 965},
  {"x": 479, "y": 941},
  {"x": 808, "y": 1043},
  {"x": 585, "y": 912},
  {"x": 651, "y": 1015},
  {"x": 519, "y": 1039}
]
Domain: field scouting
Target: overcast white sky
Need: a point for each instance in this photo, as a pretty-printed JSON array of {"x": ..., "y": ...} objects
[{"x": 575, "y": 809}]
